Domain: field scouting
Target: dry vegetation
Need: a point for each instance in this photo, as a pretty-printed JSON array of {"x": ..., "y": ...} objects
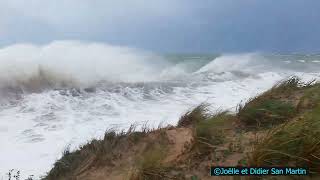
[{"x": 278, "y": 127}]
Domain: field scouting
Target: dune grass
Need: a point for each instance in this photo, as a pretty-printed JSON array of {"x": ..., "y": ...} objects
[
  {"x": 287, "y": 87},
  {"x": 291, "y": 133},
  {"x": 265, "y": 113},
  {"x": 274, "y": 106},
  {"x": 208, "y": 127},
  {"x": 94, "y": 153},
  {"x": 291, "y": 84},
  {"x": 192, "y": 117},
  {"x": 296, "y": 143},
  {"x": 98, "y": 153},
  {"x": 210, "y": 131},
  {"x": 149, "y": 165},
  {"x": 310, "y": 99}
]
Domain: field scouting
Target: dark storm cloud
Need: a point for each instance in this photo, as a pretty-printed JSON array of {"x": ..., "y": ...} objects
[{"x": 167, "y": 25}]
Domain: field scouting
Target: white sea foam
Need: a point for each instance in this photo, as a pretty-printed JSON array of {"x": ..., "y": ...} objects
[
  {"x": 301, "y": 60},
  {"x": 234, "y": 62}
]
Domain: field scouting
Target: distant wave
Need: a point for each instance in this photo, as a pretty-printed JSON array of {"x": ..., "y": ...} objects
[{"x": 233, "y": 62}]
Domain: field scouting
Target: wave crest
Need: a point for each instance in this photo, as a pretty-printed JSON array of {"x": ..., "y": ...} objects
[
  {"x": 74, "y": 63},
  {"x": 229, "y": 63}
]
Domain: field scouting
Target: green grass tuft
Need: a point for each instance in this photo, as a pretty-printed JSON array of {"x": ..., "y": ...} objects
[
  {"x": 275, "y": 106},
  {"x": 209, "y": 133},
  {"x": 210, "y": 130},
  {"x": 194, "y": 116},
  {"x": 94, "y": 153},
  {"x": 260, "y": 112},
  {"x": 150, "y": 164},
  {"x": 296, "y": 143},
  {"x": 208, "y": 127},
  {"x": 310, "y": 99},
  {"x": 290, "y": 84}
]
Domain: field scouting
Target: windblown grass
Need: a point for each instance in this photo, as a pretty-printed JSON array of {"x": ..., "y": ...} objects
[
  {"x": 210, "y": 131},
  {"x": 291, "y": 84},
  {"x": 265, "y": 113},
  {"x": 94, "y": 153},
  {"x": 275, "y": 106},
  {"x": 194, "y": 116},
  {"x": 296, "y": 143},
  {"x": 310, "y": 99},
  {"x": 208, "y": 127},
  {"x": 150, "y": 163}
]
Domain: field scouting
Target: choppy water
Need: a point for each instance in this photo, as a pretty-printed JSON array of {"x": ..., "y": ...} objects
[{"x": 70, "y": 92}]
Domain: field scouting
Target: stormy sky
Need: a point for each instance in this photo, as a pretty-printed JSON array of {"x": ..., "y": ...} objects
[{"x": 167, "y": 25}]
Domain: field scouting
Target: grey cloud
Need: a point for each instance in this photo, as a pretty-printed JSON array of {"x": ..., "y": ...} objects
[{"x": 167, "y": 25}]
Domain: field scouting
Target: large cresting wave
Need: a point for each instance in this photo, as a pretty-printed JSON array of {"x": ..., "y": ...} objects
[{"x": 75, "y": 64}]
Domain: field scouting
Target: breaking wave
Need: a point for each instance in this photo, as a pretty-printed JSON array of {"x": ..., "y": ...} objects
[{"x": 75, "y": 64}]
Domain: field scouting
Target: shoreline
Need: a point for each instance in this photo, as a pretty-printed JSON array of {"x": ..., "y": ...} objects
[{"x": 203, "y": 139}]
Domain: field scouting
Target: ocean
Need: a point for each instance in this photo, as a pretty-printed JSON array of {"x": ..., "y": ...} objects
[{"x": 61, "y": 95}]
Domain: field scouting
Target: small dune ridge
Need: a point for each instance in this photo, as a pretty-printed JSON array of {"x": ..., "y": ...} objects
[{"x": 280, "y": 127}]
